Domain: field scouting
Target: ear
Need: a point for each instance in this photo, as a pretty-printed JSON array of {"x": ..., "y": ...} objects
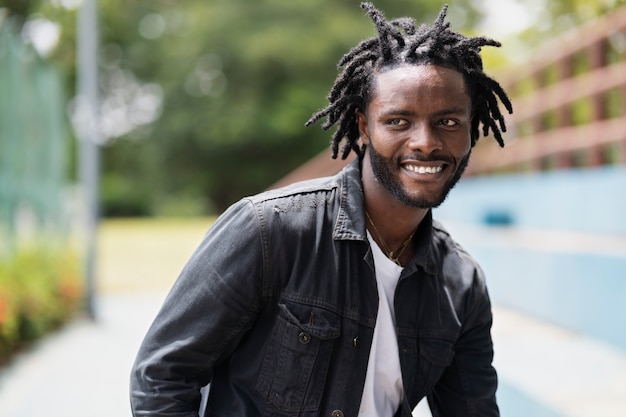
[{"x": 362, "y": 124}]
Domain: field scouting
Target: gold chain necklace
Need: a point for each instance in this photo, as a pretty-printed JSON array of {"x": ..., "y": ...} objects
[{"x": 389, "y": 253}]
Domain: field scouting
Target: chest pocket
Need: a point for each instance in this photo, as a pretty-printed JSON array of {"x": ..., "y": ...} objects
[
  {"x": 434, "y": 356},
  {"x": 295, "y": 365},
  {"x": 429, "y": 357}
]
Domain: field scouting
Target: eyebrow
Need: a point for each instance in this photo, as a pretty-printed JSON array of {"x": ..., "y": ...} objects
[
  {"x": 451, "y": 110},
  {"x": 442, "y": 112},
  {"x": 399, "y": 112}
]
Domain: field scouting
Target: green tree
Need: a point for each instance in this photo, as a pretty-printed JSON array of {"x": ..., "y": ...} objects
[{"x": 19, "y": 10}]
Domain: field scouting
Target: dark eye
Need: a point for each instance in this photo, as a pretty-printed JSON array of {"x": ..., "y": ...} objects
[
  {"x": 448, "y": 122},
  {"x": 397, "y": 122}
]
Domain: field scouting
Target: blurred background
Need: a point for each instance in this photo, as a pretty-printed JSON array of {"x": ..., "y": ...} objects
[{"x": 126, "y": 126}]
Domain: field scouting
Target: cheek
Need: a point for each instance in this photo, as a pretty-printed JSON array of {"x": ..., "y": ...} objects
[
  {"x": 461, "y": 145},
  {"x": 381, "y": 139}
]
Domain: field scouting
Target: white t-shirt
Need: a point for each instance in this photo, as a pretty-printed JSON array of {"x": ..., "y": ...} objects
[{"x": 383, "y": 391}]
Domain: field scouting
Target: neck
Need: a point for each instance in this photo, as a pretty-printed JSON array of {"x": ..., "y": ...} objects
[
  {"x": 393, "y": 228},
  {"x": 393, "y": 219},
  {"x": 389, "y": 229},
  {"x": 399, "y": 255}
]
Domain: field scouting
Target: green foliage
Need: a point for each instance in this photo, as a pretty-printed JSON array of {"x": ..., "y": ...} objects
[
  {"x": 20, "y": 10},
  {"x": 40, "y": 288},
  {"x": 123, "y": 197}
]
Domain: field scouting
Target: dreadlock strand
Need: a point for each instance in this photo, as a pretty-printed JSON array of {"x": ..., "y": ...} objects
[
  {"x": 347, "y": 131},
  {"x": 492, "y": 118},
  {"x": 316, "y": 117},
  {"x": 496, "y": 90},
  {"x": 496, "y": 132},
  {"x": 365, "y": 45},
  {"x": 396, "y": 34},
  {"x": 384, "y": 30},
  {"x": 474, "y": 130},
  {"x": 418, "y": 42},
  {"x": 502, "y": 95},
  {"x": 354, "y": 88},
  {"x": 334, "y": 146},
  {"x": 442, "y": 16},
  {"x": 406, "y": 24},
  {"x": 349, "y": 136},
  {"x": 346, "y": 77},
  {"x": 478, "y": 42},
  {"x": 333, "y": 111}
]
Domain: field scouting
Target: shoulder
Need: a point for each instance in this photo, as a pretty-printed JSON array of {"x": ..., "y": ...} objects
[
  {"x": 463, "y": 279},
  {"x": 346, "y": 181},
  {"x": 302, "y": 190},
  {"x": 298, "y": 201},
  {"x": 458, "y": 267},
  {"x": 443, "y": 238}
]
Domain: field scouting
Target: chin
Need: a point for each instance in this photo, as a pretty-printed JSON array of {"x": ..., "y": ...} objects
[
  {"x": 424, "y": 200},
  {"x": 426, "y": 203}
]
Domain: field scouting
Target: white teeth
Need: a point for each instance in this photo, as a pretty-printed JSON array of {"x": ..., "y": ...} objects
[{"x": 424, "y": 170}]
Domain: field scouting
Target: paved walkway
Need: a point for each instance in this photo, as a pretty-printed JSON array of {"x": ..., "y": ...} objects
[
  {"x": 82, "y": 370},
  {"x": 556, "y": 372}
]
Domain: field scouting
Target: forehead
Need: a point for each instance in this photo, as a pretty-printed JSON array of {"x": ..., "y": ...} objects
[{"x": 427, "y": 85}]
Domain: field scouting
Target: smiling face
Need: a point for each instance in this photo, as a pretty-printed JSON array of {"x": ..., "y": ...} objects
[{"x": 417, "y": 131}]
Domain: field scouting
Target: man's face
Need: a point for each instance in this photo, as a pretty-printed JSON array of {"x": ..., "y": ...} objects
[{"x": 417, "y": 131}]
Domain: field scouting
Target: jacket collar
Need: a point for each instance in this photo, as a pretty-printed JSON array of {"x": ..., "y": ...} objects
[{"x": 350, "y": 224}]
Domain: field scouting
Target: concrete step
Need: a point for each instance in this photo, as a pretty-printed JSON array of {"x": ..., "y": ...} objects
[{"x": 555, "y": 372}]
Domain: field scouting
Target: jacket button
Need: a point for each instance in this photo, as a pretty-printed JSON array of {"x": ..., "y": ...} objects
[
  {"x": 355, "y": 342},
  {"x": 337, "y": 413},
  {"x": 304, "y": 338}
]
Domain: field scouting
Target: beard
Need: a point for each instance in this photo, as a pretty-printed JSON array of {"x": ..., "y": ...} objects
[{"x": 383, "y": 171}]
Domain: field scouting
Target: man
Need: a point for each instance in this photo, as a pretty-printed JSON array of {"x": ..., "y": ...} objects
[{"x": 341, "y": 296}]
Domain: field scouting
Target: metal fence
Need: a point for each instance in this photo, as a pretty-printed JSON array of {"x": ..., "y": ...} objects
[
  {"x": 34, "y": 143},
  {"x": 569, "y": 102}
]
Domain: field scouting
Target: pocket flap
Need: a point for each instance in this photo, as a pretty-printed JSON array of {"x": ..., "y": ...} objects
[
  {"x": 437, "y": 351},
  {"x": 316, "y": 321}
]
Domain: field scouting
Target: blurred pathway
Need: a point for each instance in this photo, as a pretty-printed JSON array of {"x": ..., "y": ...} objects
[{"x": 82, "y": 370}]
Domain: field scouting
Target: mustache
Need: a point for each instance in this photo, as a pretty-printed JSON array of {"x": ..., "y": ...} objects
[{"x": 418, "y": 156}]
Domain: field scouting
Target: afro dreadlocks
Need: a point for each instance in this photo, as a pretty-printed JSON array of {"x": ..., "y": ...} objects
[{"x": 399, "y": 41}]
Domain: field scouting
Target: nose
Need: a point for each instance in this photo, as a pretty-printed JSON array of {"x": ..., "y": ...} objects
[{"x": 424, "y": 139}]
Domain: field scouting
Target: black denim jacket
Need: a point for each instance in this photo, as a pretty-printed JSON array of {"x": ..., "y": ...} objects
[{"x": 276, "y": 310}]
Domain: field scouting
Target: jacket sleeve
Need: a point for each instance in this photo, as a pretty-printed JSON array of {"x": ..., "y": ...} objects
[
  {"x": 468, "y": 386},
  {"x": 211, "y": 305}
]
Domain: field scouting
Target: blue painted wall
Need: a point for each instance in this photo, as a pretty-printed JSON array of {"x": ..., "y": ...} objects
[
  {"x": 585, "y": 200},
  {"x": 580, "y": 288},
  {"x": 515, "y": 403}
]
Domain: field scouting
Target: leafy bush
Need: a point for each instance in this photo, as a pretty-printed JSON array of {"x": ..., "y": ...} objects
[
  {"x": 123, "y": 197},
  {"x": 39, "y": 290}
]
